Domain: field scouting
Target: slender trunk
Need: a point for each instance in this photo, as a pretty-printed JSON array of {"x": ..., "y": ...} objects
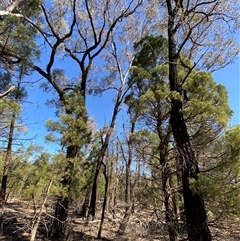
[
  {"x": 92, "y": 208},
  {"x": 128, "y": 170},
  {"x": 193, "y": 203},
  {"x": 128, "y": 199},
  {"x": 115, "y": 188},
  {"x": 8, "y": 157},
  {"x": 115, "y": 184},
  {"x": 110, "y": 186},
  {"x": 104, "y": 200},
  {"x": 166, "y": 187}
]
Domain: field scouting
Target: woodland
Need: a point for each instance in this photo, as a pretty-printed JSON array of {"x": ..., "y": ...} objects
[{"x": 166, "y": 166}]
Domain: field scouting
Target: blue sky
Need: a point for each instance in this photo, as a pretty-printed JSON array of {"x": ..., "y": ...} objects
[
  {"x": 101, "y": 108},
  {"x": 230, "y": 78}
]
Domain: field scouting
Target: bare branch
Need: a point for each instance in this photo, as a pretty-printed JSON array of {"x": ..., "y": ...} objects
[
  {"x": 10, "y": 8},
  {"x": 7, "y": 92}
]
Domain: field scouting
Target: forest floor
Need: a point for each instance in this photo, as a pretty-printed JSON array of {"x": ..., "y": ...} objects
[{"x": 142, "y": 226}]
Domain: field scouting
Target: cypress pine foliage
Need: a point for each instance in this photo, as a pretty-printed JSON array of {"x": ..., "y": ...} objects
[{"x": 205, "y": 110}]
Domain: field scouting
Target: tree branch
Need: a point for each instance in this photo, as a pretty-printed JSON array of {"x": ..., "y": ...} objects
[{"x": 7, "y": 92}]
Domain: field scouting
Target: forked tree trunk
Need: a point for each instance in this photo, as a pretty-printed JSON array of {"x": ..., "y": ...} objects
[{"x": 105, "y": 142}]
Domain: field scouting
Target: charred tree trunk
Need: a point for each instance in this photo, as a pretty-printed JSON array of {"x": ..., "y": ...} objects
[
  {"x": 115, "y": 186},
  {"x": 193, "y": 203},
  {"x": 104, "y": 200},
  {"x": 92, "y": 208},
  {"x": 168, "y": 201},
  {"x": 58, "y": 227},
  {"x": 196, "y": 217}
]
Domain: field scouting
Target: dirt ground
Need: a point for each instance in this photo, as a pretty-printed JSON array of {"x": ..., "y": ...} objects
[{"x": 143, "y": 226}]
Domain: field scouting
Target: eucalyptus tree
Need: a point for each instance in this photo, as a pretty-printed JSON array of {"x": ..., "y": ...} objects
[
  {"x": 77, "y": 31},
  {"x": 118, "y": 58},
  {"x": 199, "y": 30}
]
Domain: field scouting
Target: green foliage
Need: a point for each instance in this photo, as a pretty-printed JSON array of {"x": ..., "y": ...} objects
[
  {"x": 220, "y": 184},
  {"x": 31, "y": 173},
  {"x": 151, "y": 51},
  {"x": 72, "y": 126},
  {"x": 208, "y": 100},
  {"x": 17, "y": 39},
  {"x": 206, "y": 113},
  {"x": 203, "y": 185}
]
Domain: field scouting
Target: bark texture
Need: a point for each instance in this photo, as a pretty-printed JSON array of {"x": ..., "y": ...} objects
[
  {"x": 58, "y": 227},
  {"x": 196, "y": 217}
]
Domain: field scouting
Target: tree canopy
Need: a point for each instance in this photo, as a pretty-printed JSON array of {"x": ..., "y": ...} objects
[{"x": 166, "y": 143}]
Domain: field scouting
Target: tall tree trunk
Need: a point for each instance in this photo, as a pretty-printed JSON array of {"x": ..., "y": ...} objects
[
  {"x": 193, "y": 203},
  {"x": 128, "y": 170},
  {"x": 105, "y": 142},
  {"x": 58, "y": 227}
]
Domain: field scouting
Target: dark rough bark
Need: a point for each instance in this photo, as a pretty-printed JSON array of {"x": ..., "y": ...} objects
[
  {"x": 168, "y": 201},
  {"x": 104, "y": 200},
  {"x": 92, "y": 208},
  {"x": 193, "y": 203},
  {"x": 58, "y": 227}
]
